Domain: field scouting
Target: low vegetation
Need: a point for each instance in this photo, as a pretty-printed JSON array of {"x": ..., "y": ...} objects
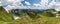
[{"x": 28, "y": 18}]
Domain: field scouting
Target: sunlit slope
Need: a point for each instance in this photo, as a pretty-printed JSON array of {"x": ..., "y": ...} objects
[
  {"x": 4, "y": 16},
  {"x": 29, "y": 18}
]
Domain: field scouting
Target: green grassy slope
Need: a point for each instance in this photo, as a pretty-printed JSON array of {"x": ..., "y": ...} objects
[
  {"x": 4, "y": 16},
  {"x": 27, "y": 19}
]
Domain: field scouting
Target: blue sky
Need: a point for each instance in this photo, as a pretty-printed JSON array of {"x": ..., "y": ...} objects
[
  {"x": 32, "y": 4},
  {"x": 31, "y": 1}
]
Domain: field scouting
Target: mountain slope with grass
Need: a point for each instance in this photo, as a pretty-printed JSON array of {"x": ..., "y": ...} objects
[
  {"x": 4, "y": 16},
  {"x": 28, "y": 18}
]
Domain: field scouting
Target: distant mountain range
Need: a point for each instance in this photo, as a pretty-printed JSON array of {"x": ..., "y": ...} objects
[
  {"x": 32, "y": 10},
  {"x": 29, "y": 10}
]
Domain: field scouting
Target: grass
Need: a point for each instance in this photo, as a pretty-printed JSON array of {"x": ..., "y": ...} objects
[
  {"x": 42, "y": 20},
  {"x": 25, "y": 19},
  {"x": 5, "y": 17}
]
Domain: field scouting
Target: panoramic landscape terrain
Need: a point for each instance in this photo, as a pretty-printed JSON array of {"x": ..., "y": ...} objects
[
  {"x": 29, "y": 16},
  {"x": 29, "y": 11}
]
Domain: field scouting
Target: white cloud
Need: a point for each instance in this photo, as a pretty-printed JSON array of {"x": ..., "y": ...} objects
[
  {"x": 0, "y": 3},
  {"x": 54, "y": 5},
  {"x": 37, "y": 5},
  {"x": 15, "y": 0},
  {"x": 9, "y": 7},
  {"x": 11, "y": 4},
  {"x": 44, "y": 2},
  {"x": 43, "y": 5},
  {"x": 10, "y": 0},
  {"x": 57, "y": 4},
  {"x": 27, "y": 3}
]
